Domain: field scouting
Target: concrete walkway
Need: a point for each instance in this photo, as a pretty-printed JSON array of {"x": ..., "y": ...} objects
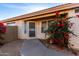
[
  {"x": 36, "y": 48},
  {"x": 28, "y": 48},
  {"x": 11, "y": 49}
]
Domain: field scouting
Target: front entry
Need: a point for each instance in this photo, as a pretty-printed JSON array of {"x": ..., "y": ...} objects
[{"x": 31, "y": 29}]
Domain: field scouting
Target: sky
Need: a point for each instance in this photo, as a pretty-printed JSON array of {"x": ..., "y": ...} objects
[{"x": 9, "y": 10}]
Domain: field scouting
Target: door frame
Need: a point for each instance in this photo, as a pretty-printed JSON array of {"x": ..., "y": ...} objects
[{"x": 34, "y": 29}]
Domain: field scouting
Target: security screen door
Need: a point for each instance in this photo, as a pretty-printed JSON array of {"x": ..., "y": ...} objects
[{"x": 31, "y": 29}]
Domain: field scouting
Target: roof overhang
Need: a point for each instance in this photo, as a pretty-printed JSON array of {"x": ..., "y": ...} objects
[{"x": 44, "y": 13}]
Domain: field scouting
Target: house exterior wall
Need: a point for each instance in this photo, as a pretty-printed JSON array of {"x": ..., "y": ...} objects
[
  {"x": 38, "y": 24},
  {"x": 39, "y": 32},
  {"x": 74, "y": 41},
  {"x": 20, "y": 25},
  {"x": 22, "y": 35}
]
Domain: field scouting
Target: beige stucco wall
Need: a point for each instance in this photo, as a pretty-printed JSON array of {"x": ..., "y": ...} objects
[
  {"x": 74, "y": 41},
  {"x": 38, "y": 30},
  {"x": 22, "y": 35},
  {"x": 20, "y": 25}
]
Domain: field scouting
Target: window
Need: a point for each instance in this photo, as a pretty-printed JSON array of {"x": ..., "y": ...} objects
[
  {"x": 43, "y": 29},
  {"x": 76, "y": 10},
  {"x": 25, "y": 27},
  {"x": 49, "y": 22}
]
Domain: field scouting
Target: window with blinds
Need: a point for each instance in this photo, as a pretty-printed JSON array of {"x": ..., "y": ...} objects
[{"x": 43, "y": 27}]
